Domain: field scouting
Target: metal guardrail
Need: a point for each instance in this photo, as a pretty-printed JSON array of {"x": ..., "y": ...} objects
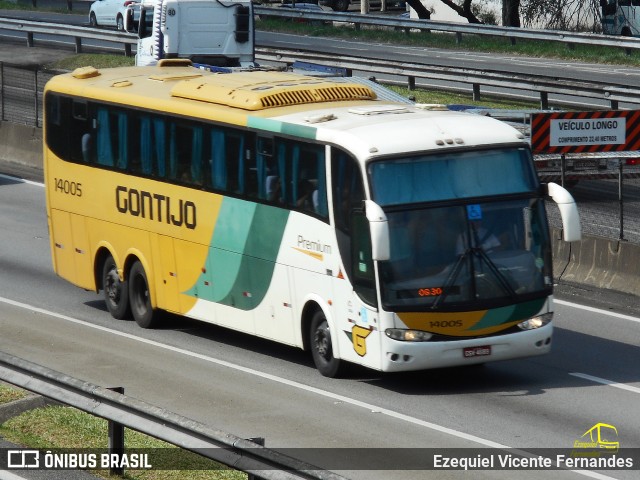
[
  {"x": 460, "y": 29},
  {"x": 225, "y": 448},
  {"x": 77, "y": 33},
  {"x": 475, "y": 77}
]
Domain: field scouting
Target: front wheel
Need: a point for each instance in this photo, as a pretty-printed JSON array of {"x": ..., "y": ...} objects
[
  {"x": 120, "y": 23},
  {"x": 322, "y": 349},
  {"x": 116, "y": 292},
  {"x": 93, "y": 21},
  {"x": 140, "y": 299}
]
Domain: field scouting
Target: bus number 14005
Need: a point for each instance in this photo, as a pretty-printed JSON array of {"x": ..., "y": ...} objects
[{"x": 68, "y": 187}]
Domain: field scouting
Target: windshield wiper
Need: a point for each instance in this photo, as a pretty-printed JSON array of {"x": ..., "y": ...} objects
[{"x": 453, "y": 275}]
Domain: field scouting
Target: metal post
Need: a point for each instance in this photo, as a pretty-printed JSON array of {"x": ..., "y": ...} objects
[
  {"x": 116, "y": 439},
  {"x": 613, "y": 104},
  {"x": 260, "y": 441},
  {"x": 544, "y": 101},
  {"x": 411, "y": 83},
  {"x": 620, "y": 202},
  {"x": 2, "y": 90},
  {"x": 476, "y": 92},
  {"x": 563, "y": 169},
  {"x": 36, "y": 103}
]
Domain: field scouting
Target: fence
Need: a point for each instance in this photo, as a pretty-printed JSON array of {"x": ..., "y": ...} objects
[{"x": 21, "y": 94}]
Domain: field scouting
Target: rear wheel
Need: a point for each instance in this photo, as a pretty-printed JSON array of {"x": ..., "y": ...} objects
[
  {"x": 116, "y": 292},
  {"x": 322, "y": 348},
  {"x": 93, "y": 21},
  {"x": 139, "y": 297}
]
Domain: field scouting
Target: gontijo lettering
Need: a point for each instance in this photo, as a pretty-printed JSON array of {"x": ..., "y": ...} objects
[{"x": 155, "y": 206}]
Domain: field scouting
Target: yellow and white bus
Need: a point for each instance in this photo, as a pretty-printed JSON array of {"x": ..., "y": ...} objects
[{"x": 302, "y": 210}]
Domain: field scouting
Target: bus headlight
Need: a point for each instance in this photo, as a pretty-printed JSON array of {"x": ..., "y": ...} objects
[
  {"x": 536, "y": 322},
  {"x": 404, "y": 335}
]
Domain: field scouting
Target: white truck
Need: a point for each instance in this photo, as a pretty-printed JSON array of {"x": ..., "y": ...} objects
[
  {"x": 621, "y": 17},
  {"x": 215, "y": 33}
]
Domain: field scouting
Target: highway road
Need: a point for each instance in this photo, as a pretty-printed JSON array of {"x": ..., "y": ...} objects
[
  {"x": 561, "y": 69},
  {"x": 251, "y": 387}
]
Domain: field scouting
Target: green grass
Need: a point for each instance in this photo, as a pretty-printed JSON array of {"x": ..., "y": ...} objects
[
  {"x": 97, "y": 60},
  {"x": 439, "y": 40},
  {"x": 66, "y": 427},
  {"x": 10, "y": 394},
  {"x": 472, "y": 43}
]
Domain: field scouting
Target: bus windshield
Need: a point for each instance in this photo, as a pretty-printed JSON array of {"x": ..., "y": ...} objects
[{"x": 467, "y": 240}]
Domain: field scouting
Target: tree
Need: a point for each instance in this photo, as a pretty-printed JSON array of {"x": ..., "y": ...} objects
[
  {"x": 574, "y": 15},
  {"x": 511, "y": 13},
  {"x": 464, "y": 10},
  {"x": 420, "y": 9}
]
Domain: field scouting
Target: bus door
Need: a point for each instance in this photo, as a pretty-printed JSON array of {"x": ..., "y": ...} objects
[
  {"x": 72, "y": 252},
  {"x": 355, "y": 308}
]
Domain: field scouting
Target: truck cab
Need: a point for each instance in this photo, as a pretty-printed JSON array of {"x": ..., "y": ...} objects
[{"x": 217, "y": 34}]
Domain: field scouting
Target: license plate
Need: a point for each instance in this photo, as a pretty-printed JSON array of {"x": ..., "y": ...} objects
[
  {"x": 585, "y": 164},
  {"x": 470, "y": 352}
]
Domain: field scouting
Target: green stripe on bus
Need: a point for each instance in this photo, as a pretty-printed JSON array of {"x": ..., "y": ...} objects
[
  {"x": 277, "y": 126},
  {"x": 508, "y": 314},
  {"x": 243, "y": 252}
]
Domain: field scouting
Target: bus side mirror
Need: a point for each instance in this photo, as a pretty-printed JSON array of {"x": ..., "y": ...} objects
[
  {"x": 379, "y": 228},
  {"x": 568, "y": 211}
]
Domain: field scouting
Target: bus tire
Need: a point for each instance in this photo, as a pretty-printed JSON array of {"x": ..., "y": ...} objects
[
  {"x": 321, "y": 347},
  {"x": 139, "y": 297},
  {"x": 116, "y": 292}
]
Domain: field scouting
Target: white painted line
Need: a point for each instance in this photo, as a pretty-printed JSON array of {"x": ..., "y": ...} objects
[
  {"x": 21, "y": 180},
  {"x": 4, "y": 475},
  {"x": 597, "y": 310},
  {"x": 604, "y": 381},
  {"x": 300, "y": 386}
]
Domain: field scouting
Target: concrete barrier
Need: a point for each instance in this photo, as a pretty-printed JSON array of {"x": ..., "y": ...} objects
[
  {"x": 598, "y": 262},
  {"x": 21, "y": 144},
  {"x": 595, "y": 261}
]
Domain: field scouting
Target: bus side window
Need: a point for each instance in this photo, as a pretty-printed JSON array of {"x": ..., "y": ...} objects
[
  {"x": 347, "y": 189},
  {"x": 264, "y": 165},
  {"x": 81, "y": 141},
  {"x": 362, "y": 268}
]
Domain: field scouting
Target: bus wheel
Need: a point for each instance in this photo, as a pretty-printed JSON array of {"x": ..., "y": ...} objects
[
  {"x": 143, "y": 312},
  {"x": 321, "y": 348},
  {"x": 116, "y": 293}
]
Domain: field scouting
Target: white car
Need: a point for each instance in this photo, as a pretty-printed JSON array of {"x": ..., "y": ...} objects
[{"x": 109, "y": 13}]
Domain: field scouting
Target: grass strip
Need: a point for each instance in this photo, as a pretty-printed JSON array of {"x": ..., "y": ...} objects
[{"x": 68, "y": 428}]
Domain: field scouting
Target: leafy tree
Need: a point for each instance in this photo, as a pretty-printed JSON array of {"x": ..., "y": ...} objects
[
  {"x": 562, "y": 14},
  {"x": 553, "y": 14},
  {"x": 420, "y": 9}
]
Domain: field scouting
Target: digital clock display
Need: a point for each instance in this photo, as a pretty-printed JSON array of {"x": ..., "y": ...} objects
[{"x": 430, "y": 292}]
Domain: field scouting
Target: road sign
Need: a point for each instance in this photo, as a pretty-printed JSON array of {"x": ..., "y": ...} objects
[{"x": 585, "y": 132}]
